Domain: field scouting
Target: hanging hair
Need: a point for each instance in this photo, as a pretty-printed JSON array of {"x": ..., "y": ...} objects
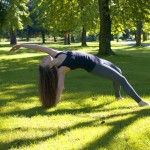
[{"x": 47, "y": 86}]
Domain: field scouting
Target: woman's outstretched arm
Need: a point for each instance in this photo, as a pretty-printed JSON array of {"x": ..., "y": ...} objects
[{"x": 45, "y": 49}]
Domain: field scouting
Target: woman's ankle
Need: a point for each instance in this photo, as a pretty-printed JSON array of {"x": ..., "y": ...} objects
[{"x": 119, "y": 98}]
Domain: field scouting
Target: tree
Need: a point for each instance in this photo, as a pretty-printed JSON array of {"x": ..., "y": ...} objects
[
  {"x": 3, "y": 12},
  {"x": 59, "y": 15},
  {"x": 139, "y": 26},
  {"x": 16, "y": 16},
  {"x": 130, "y": 14},
  {"x": 37, "y": 27},
  {"x": 67, "y": 16},
  {"x": 88, "y": 17},
  {"x": 105, "y": 28}
]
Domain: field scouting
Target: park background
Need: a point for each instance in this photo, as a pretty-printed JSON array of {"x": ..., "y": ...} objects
[{"x": 88, "y": 117}]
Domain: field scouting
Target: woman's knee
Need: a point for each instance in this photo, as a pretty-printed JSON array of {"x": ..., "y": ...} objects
[{"x": 122, "y": 80}]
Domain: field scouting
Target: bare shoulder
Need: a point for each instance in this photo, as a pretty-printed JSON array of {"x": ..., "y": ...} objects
[{"x": 52, "y": 52}]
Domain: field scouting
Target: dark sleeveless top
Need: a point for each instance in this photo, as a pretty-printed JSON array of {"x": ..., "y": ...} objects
[{"x": 76, "y": 60}]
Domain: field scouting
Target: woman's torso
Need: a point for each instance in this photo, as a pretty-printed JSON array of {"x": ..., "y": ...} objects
[{"x": 76, "y": 60}]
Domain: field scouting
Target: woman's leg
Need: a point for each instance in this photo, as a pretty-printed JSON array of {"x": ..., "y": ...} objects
[
  {"x": 106, "y": 71},
  {"x": 116, "y": 85}
]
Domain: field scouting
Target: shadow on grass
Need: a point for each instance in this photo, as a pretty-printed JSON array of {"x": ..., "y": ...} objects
[
  {"x": 117, "y": 126},
  {"x": 42, "y": 111}
]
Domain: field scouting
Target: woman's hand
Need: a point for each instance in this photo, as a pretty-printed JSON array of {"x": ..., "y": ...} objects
[{"x": 15, "y": 47}]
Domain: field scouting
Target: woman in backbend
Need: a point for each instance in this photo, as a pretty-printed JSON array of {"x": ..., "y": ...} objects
[{"x": 52, "y": 70}]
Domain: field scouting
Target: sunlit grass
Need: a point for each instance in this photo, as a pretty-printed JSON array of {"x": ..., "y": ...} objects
[{"x": 87, "y": 118}]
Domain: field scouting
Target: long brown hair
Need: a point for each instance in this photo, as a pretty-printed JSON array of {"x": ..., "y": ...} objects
[{"x": 47, "y": 86}]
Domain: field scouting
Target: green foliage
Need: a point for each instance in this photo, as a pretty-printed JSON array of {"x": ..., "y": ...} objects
[
  {"x": 3, "y": 12},
  {"x": 17, "y": 13},
  {"x": 126, "y": 13},
  {"x": 67, "y": 15},
  {"x": 146, "y": 27}
]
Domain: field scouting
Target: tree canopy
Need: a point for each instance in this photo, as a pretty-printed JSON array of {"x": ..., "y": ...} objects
[{"x": 63, "y": 17}]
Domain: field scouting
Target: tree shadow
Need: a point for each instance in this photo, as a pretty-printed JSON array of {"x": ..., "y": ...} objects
[
  {"x": 29, "y": 113},
  {"x": 117, "y": 126}
]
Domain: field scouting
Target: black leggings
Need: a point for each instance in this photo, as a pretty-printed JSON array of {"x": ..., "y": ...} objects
[{"x": 108, "y": 70}]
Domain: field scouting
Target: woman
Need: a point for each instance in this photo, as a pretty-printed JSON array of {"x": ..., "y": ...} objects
[{"x": 52, "y": 70}]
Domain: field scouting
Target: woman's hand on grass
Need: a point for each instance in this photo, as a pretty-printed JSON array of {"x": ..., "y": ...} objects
[{"x": 15, "y": 47}]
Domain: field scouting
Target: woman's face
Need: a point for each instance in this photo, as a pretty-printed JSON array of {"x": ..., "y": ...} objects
[{"x": 47, "y": 61}]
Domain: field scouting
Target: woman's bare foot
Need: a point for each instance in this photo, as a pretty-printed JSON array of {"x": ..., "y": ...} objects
[{"x": 142, "y": 103}]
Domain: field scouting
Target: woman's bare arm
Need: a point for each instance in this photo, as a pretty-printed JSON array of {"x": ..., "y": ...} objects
[
  {"x": 61, "y": 77},
  {"x": 60, "y": 85},
  {"x": 47, "y": 50}
]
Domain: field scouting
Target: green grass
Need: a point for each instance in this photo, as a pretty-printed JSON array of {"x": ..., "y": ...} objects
[{"x": 87, "y": 118}]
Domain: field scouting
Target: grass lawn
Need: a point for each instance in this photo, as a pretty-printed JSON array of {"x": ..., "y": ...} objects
[{"x": 87, "y": 118}]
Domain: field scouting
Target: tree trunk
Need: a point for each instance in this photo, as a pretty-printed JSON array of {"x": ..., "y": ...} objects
[
  {"x": 28, "y": 36},
  {"x": 144, "y": 36},
  {"x": 83, "y": 38},
  {"x": 72, "y": 39},
  {"x": 66, "y": 38},
  {"x": 105, "y": 28},
  {"x": 138, "y": 33},
  {"x": 55, "y": 40},
  {"x": 43, "y": 36},
  {"x": 29, "y": 31},
  {"x": 13, "y": 39}
]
